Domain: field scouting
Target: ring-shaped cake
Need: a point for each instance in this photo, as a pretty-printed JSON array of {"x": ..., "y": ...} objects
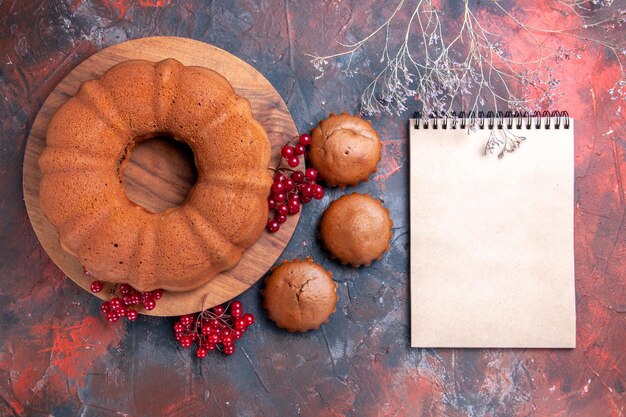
[{"x": 90, "y": 138}]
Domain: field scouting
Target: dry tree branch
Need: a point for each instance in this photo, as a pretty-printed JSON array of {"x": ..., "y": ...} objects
[{"x": 470, "y": 68}]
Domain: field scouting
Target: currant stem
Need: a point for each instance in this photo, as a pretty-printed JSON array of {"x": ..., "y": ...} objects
[{"x": 282, "y": 169}]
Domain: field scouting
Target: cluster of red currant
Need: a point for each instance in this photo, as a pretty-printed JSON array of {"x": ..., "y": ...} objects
[
  {"x": 290, "y": 192},
  {"x": 218, "y": 327},
  {"x": 125, "y": 297}
]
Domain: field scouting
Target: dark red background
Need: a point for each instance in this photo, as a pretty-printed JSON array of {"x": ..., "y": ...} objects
[{"x": 58, "y": 357}]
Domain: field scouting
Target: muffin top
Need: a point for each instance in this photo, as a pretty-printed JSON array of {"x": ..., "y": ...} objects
[
  {"x": 356, "y": 229},
  {"x": 344, "y": 149},
  {"x": 299, "y": 295}
]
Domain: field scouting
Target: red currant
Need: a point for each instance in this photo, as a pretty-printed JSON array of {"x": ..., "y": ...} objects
[
  {"x": 279, "y": 177},
  {"x": 149, "y": 303},
  {"x": 241, "y": 324},
  {"x": 97, "y": 286},
  {"x": 121, "y": 312},
  {"x": 236, "y": 312},
  {"x": 297, "y": 176},
  {"x": 293, "y": 205},
  {"x": 289, "y": 184},
  {"x": 249, "y": 318},
  {"x": 115, "y": 303},
  {"x": 283, "y": 210},
  {"x": 185, "y": 341},
  {"x": 281, "y": 218},
  {"x": 280, "y": 197},
  {"x": 310, "y": 174},
  {"x": 187, "y": 319},
  {"x": 299, "y": 149},
  {"x": 157, "y": 294},
  {"x": 271, "y": 203},
  {"x": 105, "y": 307},
  {"x": 318, "y": 192},
  {"x": 273, "y": 226},
  {"x": 305, "y": 139},
  {"x": 293, "y": 161},
  {"x": 287, "y": 151},
  {"x": 278, "y": 187},
  {"x": 112, "y": 317},
  {"x": 131, "y": 314},
  {"x": 307, "y": 190},
  {"x": 125, "y": 289},
  {"x": 216, "y": 328},
  {"x": 305, "y": 199}
]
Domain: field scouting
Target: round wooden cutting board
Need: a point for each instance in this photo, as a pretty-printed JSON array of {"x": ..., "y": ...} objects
[{"x": 161, "y": 171}]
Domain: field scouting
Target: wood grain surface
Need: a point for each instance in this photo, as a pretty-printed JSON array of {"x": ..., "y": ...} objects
[{"x": 161, "y": 171}]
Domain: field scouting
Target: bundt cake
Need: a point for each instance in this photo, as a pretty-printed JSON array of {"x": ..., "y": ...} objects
[{"x": 91, "y": 136}]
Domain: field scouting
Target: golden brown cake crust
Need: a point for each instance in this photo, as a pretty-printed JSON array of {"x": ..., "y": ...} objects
[
  {"x": 356, "y": 229},
  {"x": 81, "y": 190},
  {"x": 344, "y": 149},
  {"x": 300, "y": 295}
]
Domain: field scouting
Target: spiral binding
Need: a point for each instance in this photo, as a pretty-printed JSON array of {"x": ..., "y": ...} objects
[{"x": 491, "y": 120}]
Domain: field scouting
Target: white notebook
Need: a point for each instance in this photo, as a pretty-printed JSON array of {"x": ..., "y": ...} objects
[{"x": 492, "y": 239}]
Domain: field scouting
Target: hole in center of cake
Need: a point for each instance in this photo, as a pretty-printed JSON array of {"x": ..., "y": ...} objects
[{"x": 159, "y": 173}]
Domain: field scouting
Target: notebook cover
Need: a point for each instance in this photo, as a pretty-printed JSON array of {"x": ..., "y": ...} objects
[{"x": 492, "y": 245}]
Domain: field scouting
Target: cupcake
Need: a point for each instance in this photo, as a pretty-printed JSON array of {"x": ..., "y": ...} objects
[
  {"x": 344, "y": 150},
  {"x": 356, "y": 229},
  {"x": 300, "y": 295}
]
